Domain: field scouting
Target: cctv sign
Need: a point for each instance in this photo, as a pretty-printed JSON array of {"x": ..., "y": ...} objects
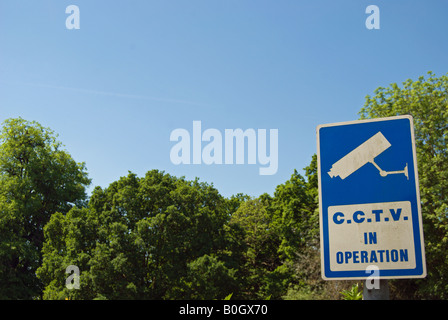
[{"x": 369, "y": 200}]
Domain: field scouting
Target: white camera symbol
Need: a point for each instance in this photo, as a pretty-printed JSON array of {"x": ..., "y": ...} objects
[{"x": 363, "y": 154}]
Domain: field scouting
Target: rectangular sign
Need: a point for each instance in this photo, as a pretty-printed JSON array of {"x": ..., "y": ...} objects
[{"x": 369, "y": 199}]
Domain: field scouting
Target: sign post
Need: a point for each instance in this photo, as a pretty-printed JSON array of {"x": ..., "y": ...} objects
[
  {"x": 369, "y": 200},
  {"x": 382, "y": 293}
]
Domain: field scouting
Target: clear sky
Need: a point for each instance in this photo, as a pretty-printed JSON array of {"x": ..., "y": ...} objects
[{"x": 116, "y": 88}]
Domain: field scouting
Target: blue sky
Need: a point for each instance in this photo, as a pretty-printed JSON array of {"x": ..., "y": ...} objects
[{"x": 116, "y": 88}]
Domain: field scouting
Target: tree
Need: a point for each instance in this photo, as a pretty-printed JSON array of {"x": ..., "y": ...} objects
[
  {"x": 280, "y": 233},
  {"x": 260, "y": 259},
  {"x": 296, "y": 212},
  {"x": 426, "y": 99},
  {"x": 142, "y": 238},
  {"x": 209, "y": 278},
  {"x": 37, "y": 179}
]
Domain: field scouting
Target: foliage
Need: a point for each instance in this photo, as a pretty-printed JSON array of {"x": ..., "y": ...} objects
[
  {"x": 353, "y": 293},
  {"x": 228, "y": 297},
  {"x": 427, "y": 101},
  {"x": 162, "y": 237},
  {"x": 37, "y": 179},
  {"x": 209, "y": 278},
  {"x": 275, "y": 230},
  {"x": 260, "y": 259},
  {"x": 156, "y": 237}
]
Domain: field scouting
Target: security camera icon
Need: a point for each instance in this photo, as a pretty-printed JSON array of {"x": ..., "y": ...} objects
[{"x": 363, "y": 154}]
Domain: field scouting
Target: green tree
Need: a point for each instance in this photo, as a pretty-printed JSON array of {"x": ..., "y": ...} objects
[
  {"x": 296, "y": 213},
  {"x": 141, "y": 238},
  {"x": 426, "y": 99},
  {"x": 37, "y": 179},
  {"x": 261, "y": 240},
  {"x": 295, "y": 209},
  {"x": 209, "y": 278}
]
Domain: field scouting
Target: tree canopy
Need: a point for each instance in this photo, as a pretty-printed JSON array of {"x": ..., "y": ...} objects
[
  {"x": 37, "y": 179},
  {"x": 142, "y": 238},
  {"x": 163, "y": 237}
]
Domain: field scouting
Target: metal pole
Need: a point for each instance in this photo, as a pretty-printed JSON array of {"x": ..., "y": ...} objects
[{"x": 382, "y": 293}]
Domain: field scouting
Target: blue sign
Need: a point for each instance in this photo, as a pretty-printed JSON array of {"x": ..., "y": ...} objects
[{"x": 369, "y": 200}]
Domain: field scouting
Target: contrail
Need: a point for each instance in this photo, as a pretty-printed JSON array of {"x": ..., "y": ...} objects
[{"x": 111, "y": 94}]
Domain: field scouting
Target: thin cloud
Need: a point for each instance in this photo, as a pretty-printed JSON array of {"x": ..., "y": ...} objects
[{"x": 113, "y": 94}]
